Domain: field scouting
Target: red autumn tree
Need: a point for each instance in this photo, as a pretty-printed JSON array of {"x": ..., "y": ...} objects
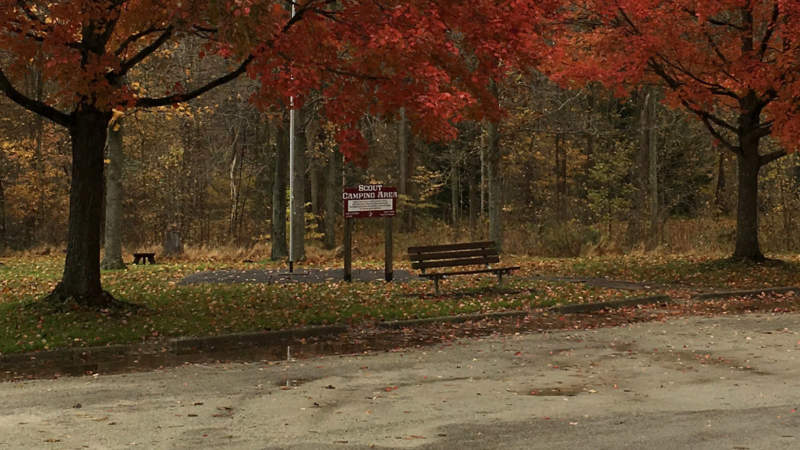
[
  {"x": 433, "y": 58},
  {"x": 731, "y": 63}
]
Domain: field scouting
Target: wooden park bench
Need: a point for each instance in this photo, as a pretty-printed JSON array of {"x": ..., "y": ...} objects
[
  {"x": 457, "y": 255},
  {"x": 144, "y": 258}
]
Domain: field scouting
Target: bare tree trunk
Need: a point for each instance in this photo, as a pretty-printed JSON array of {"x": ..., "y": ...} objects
[
  {"x": 173, "y": 244},
  {"x": 234, "y": 192},
  {"x": 263, "y": 176},
  {"x": 298, "y": 228},
  {"x": 37, "y": 211},
  {"x": 493, "y": 156},
  {"x": 454, "y": 189},
  {"x": 719, "y": 189},
  {"x": 333, "y": 196},
  {"x": 316, "y": 183},
  {"x": 315, "y": 175},
  {"x": 402, "y": 154},
  {"x": 279, "y": 203},
  {"x": 3, "y": 221},
  {"x": 483, "y": 182},
  {"x": 643, "y": 223},
  {"x": 652, "y": 160},
  {"x": 560, "y": 170},
  {"x": 3, "y": 216},
  {"x": 112, "y": 254},
  {"x": 406, "y": 168},
  {"x": 474, "y": 201}
]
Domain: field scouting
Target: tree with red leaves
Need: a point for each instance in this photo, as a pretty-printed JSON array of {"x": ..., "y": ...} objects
[
  {"x": 731, "y": 63},
  {"x": 435, "y": 59}
]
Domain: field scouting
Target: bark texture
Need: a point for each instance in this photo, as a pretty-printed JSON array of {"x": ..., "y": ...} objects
[
  {"x": 81, "y": 279},
  {"x": 112, "y": 238},
  {"x": 493, "y": 158},
  {"x": 298, "y": 228},
  {"x": 280, "y": 249},
  {"x": 747, "y": 245},
  {"x": 333, "y": 187}
]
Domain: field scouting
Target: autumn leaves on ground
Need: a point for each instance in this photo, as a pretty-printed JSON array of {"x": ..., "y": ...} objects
[{"x": 168, "y": 309}]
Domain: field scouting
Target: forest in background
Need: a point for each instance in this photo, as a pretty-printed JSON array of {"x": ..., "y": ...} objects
[{"x": 581, "y": 172}]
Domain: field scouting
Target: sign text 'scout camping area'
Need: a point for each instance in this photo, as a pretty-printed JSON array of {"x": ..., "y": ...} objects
[{"x": 369, "y": 200}]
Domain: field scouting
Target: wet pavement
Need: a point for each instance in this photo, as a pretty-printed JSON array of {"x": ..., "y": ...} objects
[{"x": 724, "y": 382}]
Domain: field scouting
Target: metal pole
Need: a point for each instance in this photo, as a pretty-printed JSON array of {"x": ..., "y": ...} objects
[{"x": 291, "y": 176}]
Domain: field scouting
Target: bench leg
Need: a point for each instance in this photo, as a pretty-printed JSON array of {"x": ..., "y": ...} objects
[
  {"x": 499, "y": 279},
  {"x": 136, "y": 260},
  {"x": 151, "y": 259},
  {"x": 436, "y": 285}
]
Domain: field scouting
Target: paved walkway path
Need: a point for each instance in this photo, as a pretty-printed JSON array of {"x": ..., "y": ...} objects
[
  {"x": 284, "y": 276},
  {"x": 730, "y": 382}
]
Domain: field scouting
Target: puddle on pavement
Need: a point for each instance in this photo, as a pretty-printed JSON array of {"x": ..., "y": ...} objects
[
  {"x": 567, "y": 391},
  {"x": 292, "y": 382}
]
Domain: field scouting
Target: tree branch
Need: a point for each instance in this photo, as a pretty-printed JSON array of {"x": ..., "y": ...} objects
[
  {"x": 763, "y": 160},
  {"x": 709, "y": 120},
  {"x": 123, "y": 46},
  {"x": 143, "y": 53},
  {"x": 762, "y": 51},
  {"x": 147, "y": 102},
  {"x": 32, "y": 105}
]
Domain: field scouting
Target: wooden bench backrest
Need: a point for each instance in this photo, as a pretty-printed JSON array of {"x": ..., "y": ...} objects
[{"x": 451, "y": 255}]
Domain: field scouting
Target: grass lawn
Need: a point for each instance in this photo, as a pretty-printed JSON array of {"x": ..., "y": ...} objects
[{"x": 207, "y": 309}]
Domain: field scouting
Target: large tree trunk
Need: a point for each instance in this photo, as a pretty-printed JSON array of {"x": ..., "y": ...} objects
[
  {"x": 483, "y": 182},
  {"x": 405, "y": 164},
  {"x": 235, "y": 180},
  {"x": 454, "y": 186},
  {"x": 642, "y": 174},
  {"x": 278, "y": 234},
  {"x": 263, "y": 177},
  {"x": 112, "y": 238},
  {"x": 333, "y": 189},
  {"x": 652, "y": 178},
  {"x": 719, "y": 187},
  {"x": 495, "y": 187},
  {"x": 81, "y": 279},
  {"x": 747, "y": 246},
  {"x": 314, "y": 181},
  {"x": 560, "y": 171},
  {"x": 474, "y": 201},
  {"x": 298, "y": 228}
]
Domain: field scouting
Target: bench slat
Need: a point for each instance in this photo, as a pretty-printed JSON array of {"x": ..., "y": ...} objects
[
  {"x": 448, "y": 247},
  {"x": 468, "y": 272},
  {"x": 456, "y": 262},
  {"x": 452, "y": 255}
]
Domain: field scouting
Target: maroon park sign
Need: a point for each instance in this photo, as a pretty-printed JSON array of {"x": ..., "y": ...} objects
[{"x": 369, "y": 200}]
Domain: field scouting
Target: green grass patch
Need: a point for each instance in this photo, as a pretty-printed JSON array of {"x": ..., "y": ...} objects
[
  {"x": 690, "y": 271},
  {"x": 170, "y": 309}
]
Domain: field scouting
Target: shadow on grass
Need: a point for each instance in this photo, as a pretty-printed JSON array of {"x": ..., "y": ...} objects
[{"x": 113, "y": 307}]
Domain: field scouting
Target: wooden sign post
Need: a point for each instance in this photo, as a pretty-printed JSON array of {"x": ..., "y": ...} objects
[{"x": 368, "y": 201}]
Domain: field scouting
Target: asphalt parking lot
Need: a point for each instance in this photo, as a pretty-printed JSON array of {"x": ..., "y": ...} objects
[{"x": 726, "y": 382}]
